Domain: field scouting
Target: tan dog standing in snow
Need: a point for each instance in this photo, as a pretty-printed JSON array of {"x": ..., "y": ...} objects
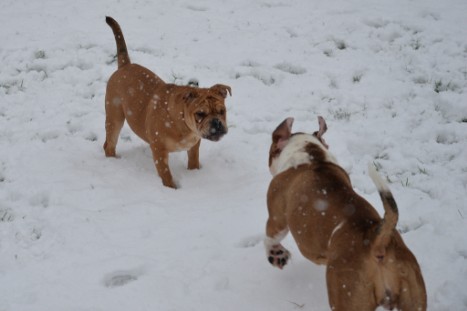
[
  {"x": 168, "y": 117},
  {"x": 368, "y": 264}
]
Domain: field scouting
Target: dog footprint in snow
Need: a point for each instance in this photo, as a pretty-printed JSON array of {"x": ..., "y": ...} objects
[
  {"x": 253, "y": 69},
  {"x": 197, "y": 8},
  {"x": 340, "y": 44},
  {"x": 251, "y": 241},
  {"x": 91, "y": 136},
  {"x": 40, "y": 199},
  {"x": 6, "y": 215},
  {"x": 261, "y": 75},
  {"x": 413, "y": 226},
  {"x": 2, "y": 173},
  {"x": 250, "y": 63},
  {"x": 121, "y": 278},
  {"x": 290, "y": 68},
  {"x": 431, "y": 15},
  {"x": 47, "y": 135},
  {"x": 74, "y": 127},
  {"x": 376, "y": 23}
]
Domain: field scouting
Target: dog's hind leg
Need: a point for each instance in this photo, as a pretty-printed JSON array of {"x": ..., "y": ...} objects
[
  {"x": 412, "y": 298},
  {"x": 347, "y": 289},
  {"x": 113, "y": 125},
  {"x": 413, "y": 292}
]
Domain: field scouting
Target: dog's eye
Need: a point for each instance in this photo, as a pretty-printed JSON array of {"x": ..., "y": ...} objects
[
  {"x": 222, "y": 112},
  {"x": 201, "y": 114}
]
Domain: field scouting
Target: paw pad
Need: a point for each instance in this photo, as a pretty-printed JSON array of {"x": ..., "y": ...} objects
[{"x": 278, "y": 256}]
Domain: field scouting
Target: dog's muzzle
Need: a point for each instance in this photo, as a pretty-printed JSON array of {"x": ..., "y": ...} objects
[{"x": 216, "y": 130}]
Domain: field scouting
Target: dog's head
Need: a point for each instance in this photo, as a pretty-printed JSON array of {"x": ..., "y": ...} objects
[
  {"x": 205, "y": 111},
  {"x": 292, "y": 149}
]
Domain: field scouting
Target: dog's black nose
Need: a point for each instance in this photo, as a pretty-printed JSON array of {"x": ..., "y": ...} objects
[
  {"x": 217, "y": 127},
  {"x": 216, "y": 130}
]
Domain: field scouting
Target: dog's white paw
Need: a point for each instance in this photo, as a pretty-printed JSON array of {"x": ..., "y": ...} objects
[{"x": 278, "y": 256}]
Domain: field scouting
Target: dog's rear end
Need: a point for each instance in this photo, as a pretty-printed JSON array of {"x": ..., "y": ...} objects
[
  {"x": 399, "y": 281},
  {"x": 385, "y": 272}
]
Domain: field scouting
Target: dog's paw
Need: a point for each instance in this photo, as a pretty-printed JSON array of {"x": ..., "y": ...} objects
[{"x": 278, "y": 256}]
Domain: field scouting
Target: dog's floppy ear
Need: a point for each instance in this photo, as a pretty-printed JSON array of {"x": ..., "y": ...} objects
[
  {"x": 282, "y": 133},
  {"x": 221, "y": 90},
  {"x": 322, "y": 129}
]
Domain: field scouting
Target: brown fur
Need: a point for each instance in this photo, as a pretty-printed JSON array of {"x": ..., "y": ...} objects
[
  {"x": 368, "y": 264},
  {"x": 168, "y": 117}
]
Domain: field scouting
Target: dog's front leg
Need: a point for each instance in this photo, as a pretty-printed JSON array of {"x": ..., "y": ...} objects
[
  {"x": 276, "y": 230},
  {"x": 193, "y": 156},
  {"x": 161, "y": 160},
  {"x": 278, "y": 255}
]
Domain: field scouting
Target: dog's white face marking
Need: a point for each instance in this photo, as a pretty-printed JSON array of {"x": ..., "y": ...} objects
[{"x": 294, "y": 154}]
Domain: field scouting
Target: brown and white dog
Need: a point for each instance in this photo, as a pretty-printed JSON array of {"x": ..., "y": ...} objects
[
  {"x": 168, "y": 117},
  {"x": 310, "y": 195}
]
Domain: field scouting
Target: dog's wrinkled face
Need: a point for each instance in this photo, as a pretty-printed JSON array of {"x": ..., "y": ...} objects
[{"x": 205, "y": 111}]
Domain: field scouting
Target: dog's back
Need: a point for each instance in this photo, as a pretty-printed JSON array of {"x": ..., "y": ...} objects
[{"x": 318, "y": 200}]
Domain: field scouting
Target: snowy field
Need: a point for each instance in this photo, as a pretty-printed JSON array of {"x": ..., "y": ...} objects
[{"x": 81, "y": 232}]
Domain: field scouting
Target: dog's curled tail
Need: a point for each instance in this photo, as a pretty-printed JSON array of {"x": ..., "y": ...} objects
[
  {"x": 122, "y": 52},
  {"x": 391, "y": 214}
]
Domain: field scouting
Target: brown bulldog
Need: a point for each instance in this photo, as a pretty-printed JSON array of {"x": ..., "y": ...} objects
[
  {"x": 368, "y": 264},
  {"x": 168, "y": 117}
]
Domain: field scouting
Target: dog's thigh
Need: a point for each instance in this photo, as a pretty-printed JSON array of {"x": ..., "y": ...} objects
[
  {"x": 347, "y": 289},
  {"x": 413, "y": 293}
]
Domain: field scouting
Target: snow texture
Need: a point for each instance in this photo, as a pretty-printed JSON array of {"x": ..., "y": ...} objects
[{"x": 82, "y": 232}]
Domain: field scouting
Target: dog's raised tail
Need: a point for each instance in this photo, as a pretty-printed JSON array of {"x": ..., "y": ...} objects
[
  {"x": 391, "y": 214},
  {"x": 122, "y": 52}
]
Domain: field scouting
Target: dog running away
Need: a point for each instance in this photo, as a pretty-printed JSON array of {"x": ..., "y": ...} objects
[
  {"x": 367, "y": 263},
  {"x": 168, "y": 117}
]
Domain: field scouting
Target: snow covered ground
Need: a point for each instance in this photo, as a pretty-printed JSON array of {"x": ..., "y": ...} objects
[{"x": 82, "y": 232}]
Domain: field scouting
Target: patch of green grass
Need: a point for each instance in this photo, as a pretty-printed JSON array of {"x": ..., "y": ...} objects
[
  {"x": 356, "y": 78},
  {"x": 405, "y": 183},
  {"x": 422, "y": 170},
  {"x": 440, "y": 86},
  {"x": 340, "y": 44},
  {"x": 341, "y": 114}
]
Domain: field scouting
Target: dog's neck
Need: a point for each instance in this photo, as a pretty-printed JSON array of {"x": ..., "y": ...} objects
[{"x": 301, "y": 149}]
